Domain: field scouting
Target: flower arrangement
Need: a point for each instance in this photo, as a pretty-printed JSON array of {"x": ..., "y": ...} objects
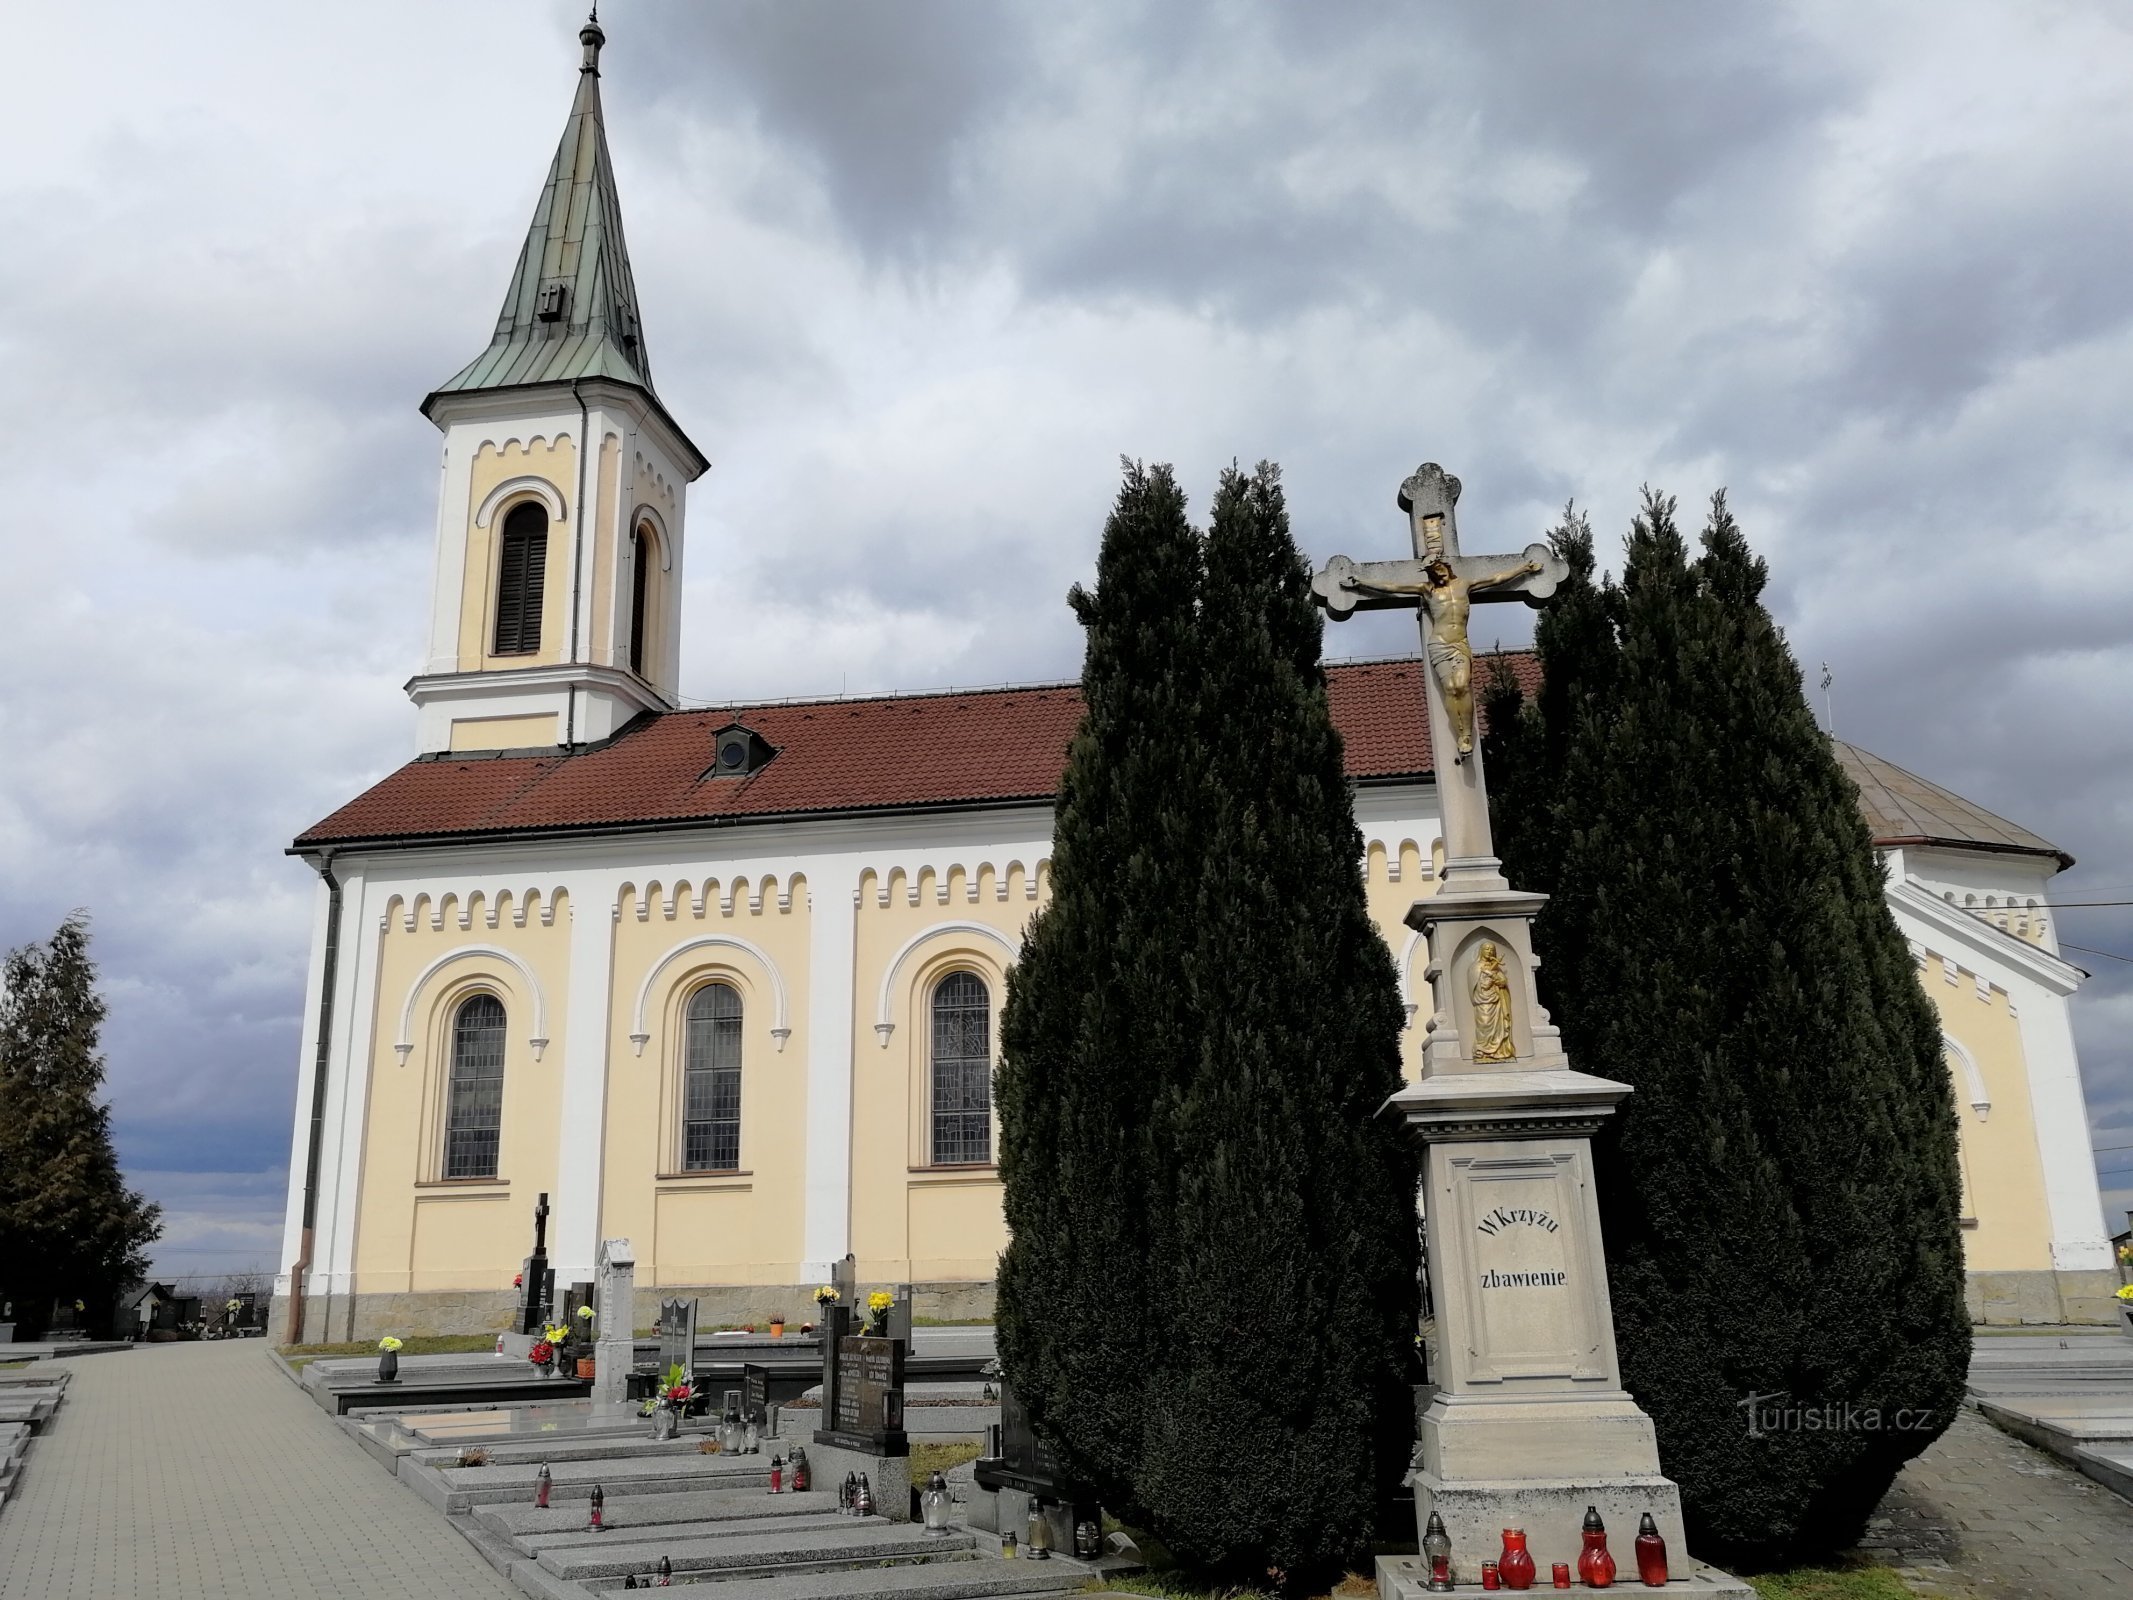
[
  {"x": 585, "y": 1315},
  {"x": 2125, "y": 1254},
  {"x": 878, "y": 1304},
  {"x": 389, "y": 1344},
  {"x": 556, "y": 1332},
  {"x": 542, "y": 1353},
  {"x": 2125, "y": 1292},
  {"x": 826, "y": 1296}
]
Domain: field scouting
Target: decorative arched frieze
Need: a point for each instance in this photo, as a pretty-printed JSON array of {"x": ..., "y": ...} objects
[
  {"x": 883, "y": 1026},
  {"x": 405, "y": 1043},
  {"x": 781, "y": 1025},
  {"x": 521, "y": 487},
  {"x": 1980, "y": 1101}
]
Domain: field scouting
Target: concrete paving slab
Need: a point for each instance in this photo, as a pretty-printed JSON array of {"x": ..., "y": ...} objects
[
  {"x": 195, "y": 1469},
  {"x": 657, "y": 1510},
  {"x": 856, "y": 1541}
]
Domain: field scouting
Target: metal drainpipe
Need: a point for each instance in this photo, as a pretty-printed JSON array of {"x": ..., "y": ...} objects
[
  {"x": 577, "y": 559},
  {"x": 302, "y": 1269}
]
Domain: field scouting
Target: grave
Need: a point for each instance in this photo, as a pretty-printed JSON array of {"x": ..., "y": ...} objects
[
  {"x": 1023, "y": 1472},
  {"x": 615, "y": 1346},
  {"x": 1529, "y": 1423}
]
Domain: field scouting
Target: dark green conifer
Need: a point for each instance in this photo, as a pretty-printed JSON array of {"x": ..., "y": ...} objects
[
  {"x": 70, "y": 1229},
  {"x": 1096, "y": 1020},
  {"x": 1780, "y": 1194},
  {"x": 1286, "y": 1243}
]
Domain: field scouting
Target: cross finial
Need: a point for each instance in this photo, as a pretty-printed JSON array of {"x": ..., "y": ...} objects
[
  {"x": 1428, "y": 496},
  {"x": 592, "y": 38}
]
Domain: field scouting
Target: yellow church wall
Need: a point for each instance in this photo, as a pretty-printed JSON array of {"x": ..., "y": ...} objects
[
  {"x": 504, "y": 733},
  {"x": 1397, "y": 873},
  {"x": 555, "y": 462},
  {"x": 603, "y": 550},
  {"x": 697, "y": 1228},
  {"x": 417, "y": 1231},
  {"x": 2003, "y": 1170},
  {"x": 913, "y": 1220}
]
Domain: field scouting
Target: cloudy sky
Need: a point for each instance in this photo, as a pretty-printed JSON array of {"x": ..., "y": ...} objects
[{"x": 915, "y": 275}]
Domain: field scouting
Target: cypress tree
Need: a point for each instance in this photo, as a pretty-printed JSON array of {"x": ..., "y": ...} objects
[
  {"x": 1780, "y": 1195},
  {"x": 1286, "y": 1241},
  {"x": 69, "y": 1227},
  {"x": 1095, "y": 1019}
]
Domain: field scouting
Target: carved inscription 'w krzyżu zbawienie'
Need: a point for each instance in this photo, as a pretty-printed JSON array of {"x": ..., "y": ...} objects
[{"x": 1502, "y": 1217}]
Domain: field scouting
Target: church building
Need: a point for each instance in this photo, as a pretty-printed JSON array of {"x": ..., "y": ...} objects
[{"x": 727, "y": 983}]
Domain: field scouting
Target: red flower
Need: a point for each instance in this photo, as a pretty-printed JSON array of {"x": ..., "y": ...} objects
[
  {"x": 543, "y": 1351},
  {"x": 518, "y": 1280}
]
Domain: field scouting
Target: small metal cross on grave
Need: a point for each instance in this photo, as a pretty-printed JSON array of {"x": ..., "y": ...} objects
[{"x": 1445, "y": 584}]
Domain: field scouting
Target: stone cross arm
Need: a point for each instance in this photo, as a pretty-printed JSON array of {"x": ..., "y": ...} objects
[{"x": 1430, "y": 497}]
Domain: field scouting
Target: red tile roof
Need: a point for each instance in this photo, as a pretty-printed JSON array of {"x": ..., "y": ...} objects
[{"x": 985, "y": 747}]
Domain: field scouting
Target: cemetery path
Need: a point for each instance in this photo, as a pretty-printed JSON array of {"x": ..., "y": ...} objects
[
  {"x": 1983, "y": 1516},
  {"x": 198, "y": 1469}
]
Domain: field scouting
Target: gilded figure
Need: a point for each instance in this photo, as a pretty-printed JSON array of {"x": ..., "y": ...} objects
[{"x": 1491, "y": 994}]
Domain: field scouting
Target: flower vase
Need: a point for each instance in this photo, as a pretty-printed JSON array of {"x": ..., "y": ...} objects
[
  {"x": 665, "y": 1424},
  {"x": 389, "y": 1366}
]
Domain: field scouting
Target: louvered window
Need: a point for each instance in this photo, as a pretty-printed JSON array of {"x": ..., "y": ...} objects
[
  {"x": 521, "y": 567},
  {"x": 711, "y": 1081},
  {"x": 962, "y": 1071},
  {"x": 475, "y": 1098},
  {"x": 640, "y": 584}
]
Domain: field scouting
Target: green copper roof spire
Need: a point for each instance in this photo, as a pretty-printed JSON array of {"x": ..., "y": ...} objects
[{"x": 571, "y": 311}]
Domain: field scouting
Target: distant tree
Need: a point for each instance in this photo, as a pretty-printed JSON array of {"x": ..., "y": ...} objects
[
  {"x": 1286, "y": 1246},
  {"x": 1096, "y": 1021},
  {"x": 69, "y": 1227},
  {"x": 1780, "y": 1194}
]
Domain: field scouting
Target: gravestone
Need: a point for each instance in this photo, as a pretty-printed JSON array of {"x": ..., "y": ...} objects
[
  {"x": 536, "y": 1298},
  {"x": 863, "y": 1408},
  {"x": 900, "y": 1315},
  {"x": 677, "y": 1337},
  {"x": 614, "y": 1319},
  {"x": 844, "y": 1278},
  {"x": 1022, "y": 1472},
  {"x": 836, "y": 1325},
  {"x": 1529, "y": 1423},
  {"x": 755, "y": 1393}
]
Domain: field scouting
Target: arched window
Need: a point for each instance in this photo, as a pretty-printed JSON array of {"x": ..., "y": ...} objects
[
  {"x": 642, "y": 554},
  {"x": 521, "y": 568},
  {"x": 962, "y": 1071},
  {"x": 475, "y": 1099},
  {"x": 711, "y": 1081}
]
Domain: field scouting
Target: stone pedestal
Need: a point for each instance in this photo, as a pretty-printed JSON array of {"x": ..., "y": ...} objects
[{"x": 614, "y": 1305}]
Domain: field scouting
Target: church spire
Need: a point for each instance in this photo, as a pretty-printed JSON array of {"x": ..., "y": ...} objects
[{"x": 571, "y": 310}]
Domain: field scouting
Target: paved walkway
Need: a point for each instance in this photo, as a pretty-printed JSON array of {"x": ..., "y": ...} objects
[
  {"x": 1983, "y": 1515},
  {"x": 198, "y": 1469}
]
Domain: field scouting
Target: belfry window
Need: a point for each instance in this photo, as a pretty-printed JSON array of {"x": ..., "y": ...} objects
[
  {"x": 475, "y": 1097},
  {"x": 521, "y": 568},
  {"x": 641, "y": 558},
  {"x": 711, "y": 1081},
  {"x": 961, "y": 1070}
]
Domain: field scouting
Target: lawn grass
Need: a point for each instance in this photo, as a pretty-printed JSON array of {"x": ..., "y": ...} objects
[
  {"x": 1856, "y": 1580},
  {"x": 941, "y": 1455}
]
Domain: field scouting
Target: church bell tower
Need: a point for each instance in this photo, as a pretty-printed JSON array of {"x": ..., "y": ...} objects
[{"x": 556, "y": 601}]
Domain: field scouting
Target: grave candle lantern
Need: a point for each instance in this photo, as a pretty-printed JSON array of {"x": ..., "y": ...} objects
[
  {"x": 1595, "y": 1566},
  {"x": 934, "y": 1505},
  {"x": 1437, "y": 1551},
  {"x": 802, "y": 1480},
  {"x": 1562, "y": 1575},
  {"x": 1516, "y": 1563},
  {"x": 777, "y": 1474},
  {"x": 599, "y": 1510},
  {"x": 543, "y": 1481},
  {"x": 1040, "y": 1533},
  {"x": 1489, "y": 1578},
  {"x": 1651, "y": 1553},
  {"x": 666, "y": 1572},
  {"x": 864, "y": 1506}
]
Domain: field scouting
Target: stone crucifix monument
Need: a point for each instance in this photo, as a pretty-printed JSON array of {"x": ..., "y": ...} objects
[{"x": 1530, "y": 1423}]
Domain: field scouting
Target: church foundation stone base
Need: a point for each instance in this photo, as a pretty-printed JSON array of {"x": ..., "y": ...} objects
[
  {"x": 344, "y": 1318},
  {"x": 2042, "y": 1298}
]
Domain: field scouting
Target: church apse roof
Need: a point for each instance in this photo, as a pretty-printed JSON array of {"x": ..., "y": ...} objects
[
  {"x": 992, "y": 747},
  {"x": 1903, "y": 808}
]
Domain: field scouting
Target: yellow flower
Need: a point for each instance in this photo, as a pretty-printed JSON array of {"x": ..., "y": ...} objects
[
  {"x": 879, "y": 1301},
  {"x": 2125, "y": 1291},
  {"x": 826, "y": 1294},
  {"x": 388, "y": 1343},
  {"x": 586, "y": 1312}
]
